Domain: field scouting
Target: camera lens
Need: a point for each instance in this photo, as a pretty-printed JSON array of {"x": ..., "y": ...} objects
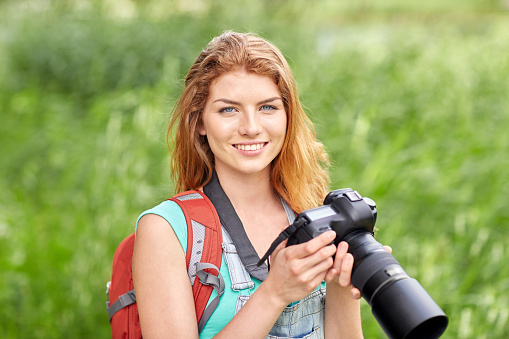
[{"x": 399, "y": 303}]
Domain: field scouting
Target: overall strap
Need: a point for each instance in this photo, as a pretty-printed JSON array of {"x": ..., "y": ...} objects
[
  {"x": 290, "y": 214},
  {"x": 239, "y": 277}
]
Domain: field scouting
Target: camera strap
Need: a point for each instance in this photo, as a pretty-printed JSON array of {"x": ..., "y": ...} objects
[
  {"x": 282, "y": 237},
  {"x": 233, "y": 225}
]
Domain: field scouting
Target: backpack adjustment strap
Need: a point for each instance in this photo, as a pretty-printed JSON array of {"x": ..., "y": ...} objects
[
  {"x": 124, "y": 300},
  {"x": 217, "y": 282}
]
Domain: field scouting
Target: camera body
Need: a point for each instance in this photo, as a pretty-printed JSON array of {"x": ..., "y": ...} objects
[
  {"x": 344, "y": 211},
  {"x": 399, "y": 303}
]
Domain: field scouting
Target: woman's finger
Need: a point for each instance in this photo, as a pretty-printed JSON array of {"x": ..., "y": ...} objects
[
  {"x": 346, "y": 270},
  {"x": 342, "y": 250},
  {"x": 312, "y": 246},
  {"x": 355, "y": 293}
]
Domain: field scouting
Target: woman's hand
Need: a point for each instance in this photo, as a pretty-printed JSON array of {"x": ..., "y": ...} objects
[
  {"x": 341, "y": 271},
  {"x": 297, "y": 270}
]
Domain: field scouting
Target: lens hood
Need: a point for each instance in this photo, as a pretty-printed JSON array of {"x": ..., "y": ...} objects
[{"x": 405, "y": 310}]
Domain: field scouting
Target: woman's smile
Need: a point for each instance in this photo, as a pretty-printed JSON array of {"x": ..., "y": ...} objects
[{"x": 249, "y": 147}]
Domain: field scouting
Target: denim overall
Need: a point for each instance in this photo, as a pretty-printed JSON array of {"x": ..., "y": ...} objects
[{"x": 302, "y": 319}]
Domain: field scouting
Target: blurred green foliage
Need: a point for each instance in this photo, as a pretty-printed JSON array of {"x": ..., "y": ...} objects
[{"x": 410, "y": 99}]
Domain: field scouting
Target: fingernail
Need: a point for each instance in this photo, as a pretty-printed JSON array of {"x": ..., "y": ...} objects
[{"x": 343, "y": 246}]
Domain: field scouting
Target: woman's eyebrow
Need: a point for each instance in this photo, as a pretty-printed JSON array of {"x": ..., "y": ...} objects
[
  {"x": 269, "y": 100},
  {"x": 227, "y": 101},
  {"x": 232, "y": 102}
]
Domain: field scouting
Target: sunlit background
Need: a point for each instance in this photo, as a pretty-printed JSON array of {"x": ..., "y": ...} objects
[{"x": 411, "y": 100}]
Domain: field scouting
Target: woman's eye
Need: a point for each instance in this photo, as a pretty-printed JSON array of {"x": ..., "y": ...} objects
[
  {"x": 227, "y": 110},
  {"x": 268, "y": 108}
]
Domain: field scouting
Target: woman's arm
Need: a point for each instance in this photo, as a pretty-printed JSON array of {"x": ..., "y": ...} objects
[
  {"x": 342, "y": 307},
  {"x": 163, "y": 292}
]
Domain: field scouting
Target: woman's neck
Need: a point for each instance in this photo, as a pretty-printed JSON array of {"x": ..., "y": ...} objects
[{"x": 248, "y": 190}]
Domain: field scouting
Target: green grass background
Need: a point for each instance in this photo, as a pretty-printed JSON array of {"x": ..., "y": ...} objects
[{"x": 410, "y": 99}]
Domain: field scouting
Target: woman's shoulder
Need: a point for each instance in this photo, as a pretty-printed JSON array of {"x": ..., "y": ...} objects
[
  {"x": 174, "y": 216},
  {"x": 166, "y": 209}
]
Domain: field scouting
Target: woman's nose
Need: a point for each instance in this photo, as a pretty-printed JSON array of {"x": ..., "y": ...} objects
[{"x": 250, "y": 124}]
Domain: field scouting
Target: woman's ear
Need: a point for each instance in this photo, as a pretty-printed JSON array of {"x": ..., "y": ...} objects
[{"x": 201, "y": 129}]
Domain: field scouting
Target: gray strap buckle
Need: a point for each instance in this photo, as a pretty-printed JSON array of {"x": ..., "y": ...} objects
[{"x": 124, "y": 300}]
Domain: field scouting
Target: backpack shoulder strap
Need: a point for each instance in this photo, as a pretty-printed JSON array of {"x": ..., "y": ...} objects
[
  {"x": 204, "y": 251},
  {"x": 203, "y": 260}
]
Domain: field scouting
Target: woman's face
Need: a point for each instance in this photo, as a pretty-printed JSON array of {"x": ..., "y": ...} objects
[{"x": 245, "y": 122}]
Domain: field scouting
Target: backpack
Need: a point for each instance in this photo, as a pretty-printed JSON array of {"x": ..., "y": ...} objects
[{"x": 203, "y": 260}]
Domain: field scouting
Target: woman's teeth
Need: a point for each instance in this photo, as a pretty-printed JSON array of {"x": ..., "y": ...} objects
[{"x": 252, "y": 147}]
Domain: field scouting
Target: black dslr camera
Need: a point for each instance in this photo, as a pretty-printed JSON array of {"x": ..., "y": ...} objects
[{"x": 399, "y": 303}]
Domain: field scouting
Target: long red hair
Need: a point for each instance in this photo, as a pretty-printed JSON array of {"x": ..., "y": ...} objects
[{"x": 299, "y": 173}]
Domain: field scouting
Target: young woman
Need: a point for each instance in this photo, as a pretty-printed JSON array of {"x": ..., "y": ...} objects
[{"x": 240, "y": 129}]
